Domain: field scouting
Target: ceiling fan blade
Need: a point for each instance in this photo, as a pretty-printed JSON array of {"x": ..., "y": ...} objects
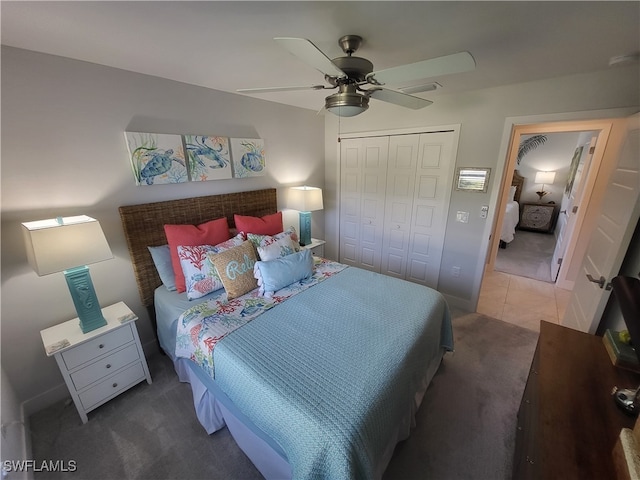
[
  {"x": 398, "y": 98},
  {"x": 281, "y": 89},
  {"x": 310, "y": 54},
  {"x": 434, "y": 67}
]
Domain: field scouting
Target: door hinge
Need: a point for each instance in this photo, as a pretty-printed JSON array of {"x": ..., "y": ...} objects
[
  {"x": 574, "y": 210},
  {"x": 559, "y": 261},
  {"x": 591, "y": 150}
]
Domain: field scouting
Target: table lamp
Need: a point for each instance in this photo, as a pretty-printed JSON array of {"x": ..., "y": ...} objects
[
  {"x": 305, "y": 200},
  {"x": 67, "y": 245},
  {"x": 544, "y": 178}
]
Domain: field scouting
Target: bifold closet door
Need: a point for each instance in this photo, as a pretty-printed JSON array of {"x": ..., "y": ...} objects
[
  {"x": 394, "y": 199},
  {"x": 363, "y": 172}
]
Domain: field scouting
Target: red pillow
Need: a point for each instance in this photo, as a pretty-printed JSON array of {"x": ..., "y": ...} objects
[
  {"x": 267, "y": 225},
  {"x": 209, "y": 233}
]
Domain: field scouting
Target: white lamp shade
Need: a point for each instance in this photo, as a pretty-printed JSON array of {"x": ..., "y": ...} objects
[
  {"x": 56, "y": 245},
  {"x": 546, "y": 178},
  {"x": 305, "y": 199}
]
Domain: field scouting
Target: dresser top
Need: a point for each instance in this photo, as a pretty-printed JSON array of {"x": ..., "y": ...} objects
[{"x": 68, "y": 334}]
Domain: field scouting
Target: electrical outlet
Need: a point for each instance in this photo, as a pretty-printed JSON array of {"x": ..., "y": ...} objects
[
  {"x": 455, "y": 272},
  {"x": 484, "y": 211}
]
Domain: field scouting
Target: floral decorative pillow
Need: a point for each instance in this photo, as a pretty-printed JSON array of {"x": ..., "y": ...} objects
[
  {"x": 235, "y": 268},
  {"x": 201, "y": 277},
  {"x": 208, "y": 233},
  {"x": 276, "y": 246}
]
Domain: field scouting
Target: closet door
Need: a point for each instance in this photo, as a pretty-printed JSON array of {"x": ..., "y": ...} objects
[
  {"x": 362, "y": 195},
  {"x": 401, "y": 182},
  {"x": 432, "y": 192}
]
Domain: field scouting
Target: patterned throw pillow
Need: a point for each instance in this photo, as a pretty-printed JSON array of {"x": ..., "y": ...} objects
[
  {"x": 280, "y": 245},
  {"x": 208, "y": 233},
  {"x": 201, "y": 277},
  {"x": 235, "y": 268}
]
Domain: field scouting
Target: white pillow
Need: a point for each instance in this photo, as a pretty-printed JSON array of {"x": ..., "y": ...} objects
[{"x": 276, "y": 246}]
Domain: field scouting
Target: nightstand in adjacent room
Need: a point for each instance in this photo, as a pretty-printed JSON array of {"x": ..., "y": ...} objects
[
  {"x": 101, "y": 364},
  {"x": 538, "y": 217},
  {"x": 316, "y": 246}
]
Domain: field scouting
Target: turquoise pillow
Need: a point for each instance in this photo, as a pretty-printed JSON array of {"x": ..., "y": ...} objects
[
  {"x": 162, "y": 260},
  {"x": 272, "y": 275}
]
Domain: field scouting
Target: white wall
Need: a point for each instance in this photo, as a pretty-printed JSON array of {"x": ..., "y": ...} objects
[
  {"x": 63, "y": 153},
  {"x": 482, "y": 115}
]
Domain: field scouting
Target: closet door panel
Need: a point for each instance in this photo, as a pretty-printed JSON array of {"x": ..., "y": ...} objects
[
  {"x": 433, "y": 179},
  {"x": 362, "y": 192},
  {"x": 403, "y": 157}
]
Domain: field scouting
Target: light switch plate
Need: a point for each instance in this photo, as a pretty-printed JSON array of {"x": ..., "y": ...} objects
[{"x": 462, "y": 217}]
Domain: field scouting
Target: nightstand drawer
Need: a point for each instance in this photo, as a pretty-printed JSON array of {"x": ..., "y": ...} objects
[
  {"x": 105, "y": 366},
  {"x": 98, "y": 346},
  {"x": 112, "y": 386}
]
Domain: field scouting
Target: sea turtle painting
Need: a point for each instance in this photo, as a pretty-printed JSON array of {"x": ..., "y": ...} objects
[
  {"x": 156, "y": 158},
  {"x": 159, "y": 163}
]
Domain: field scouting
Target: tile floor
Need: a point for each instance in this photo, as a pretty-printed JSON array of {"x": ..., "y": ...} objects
[{"x": 520, "y": 300}]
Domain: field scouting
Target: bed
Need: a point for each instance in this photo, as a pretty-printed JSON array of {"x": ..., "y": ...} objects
[
  {"x": 325, "y": 380},
  {"x": 512, "y": 210}
]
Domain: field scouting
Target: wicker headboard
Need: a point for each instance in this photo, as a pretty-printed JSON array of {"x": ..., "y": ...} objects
[
  {"x": 518, "y": 182},
  {"x": 144, "y": 225}
]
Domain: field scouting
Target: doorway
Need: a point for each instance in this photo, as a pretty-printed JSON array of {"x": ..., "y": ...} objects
[{"x": 525, "y": 300}]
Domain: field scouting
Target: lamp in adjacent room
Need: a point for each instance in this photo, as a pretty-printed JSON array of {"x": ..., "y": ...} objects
[
  {"x": 545, "y": 178},
  {"x": 67, "y": 245},
  {"x": 305, "y": 200}
]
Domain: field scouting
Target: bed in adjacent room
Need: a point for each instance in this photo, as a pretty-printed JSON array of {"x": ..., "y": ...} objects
[
  {"x": 512, "y": 211},
  {"x": 317, "y": 368}
]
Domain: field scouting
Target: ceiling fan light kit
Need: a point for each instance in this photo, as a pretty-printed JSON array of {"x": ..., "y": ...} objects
[
  {"x": 348, "y": 74},
  {"x": 347, "y": 102}
]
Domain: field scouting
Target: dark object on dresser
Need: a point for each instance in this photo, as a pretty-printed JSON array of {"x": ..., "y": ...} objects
[{"x": 568, "y": 423}]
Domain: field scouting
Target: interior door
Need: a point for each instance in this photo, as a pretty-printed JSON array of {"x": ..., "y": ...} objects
[
  {"x": 570, "y": 204},
  {"x": 608, "y": 244}
]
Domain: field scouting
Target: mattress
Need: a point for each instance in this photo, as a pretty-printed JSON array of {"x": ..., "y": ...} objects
[
  {"x": 337, "y": 416},
  {"x": 511, "y": 219}
]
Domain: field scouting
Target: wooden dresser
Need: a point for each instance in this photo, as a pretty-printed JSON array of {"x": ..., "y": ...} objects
[{"x": 568, "y": 422}]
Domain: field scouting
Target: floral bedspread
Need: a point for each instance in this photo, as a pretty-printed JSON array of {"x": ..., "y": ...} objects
[{"x": 202, "y": 326}]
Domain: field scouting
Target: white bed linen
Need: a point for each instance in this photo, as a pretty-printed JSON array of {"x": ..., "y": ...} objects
[{"x": 511, "y": 219}]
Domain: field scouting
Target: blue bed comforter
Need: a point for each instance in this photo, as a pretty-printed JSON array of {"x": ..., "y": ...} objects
[{"x": 328, "y": 373}]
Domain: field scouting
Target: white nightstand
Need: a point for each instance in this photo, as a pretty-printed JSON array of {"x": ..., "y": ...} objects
[
  {"x": 316, "y": 246},
  {"x": 100, "y": 364}
]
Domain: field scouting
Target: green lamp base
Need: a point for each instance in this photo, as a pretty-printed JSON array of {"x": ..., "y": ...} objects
[{"x": 84, "y": 298}]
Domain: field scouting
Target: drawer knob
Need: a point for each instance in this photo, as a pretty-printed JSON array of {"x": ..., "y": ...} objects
[
  {"x": 114, "y": 385},
  {"x": 101, "y": 345},
  {"x": 108, "y": 365}
]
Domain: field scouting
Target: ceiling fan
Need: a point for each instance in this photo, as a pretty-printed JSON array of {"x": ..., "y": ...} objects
[{"x": 350, "y": 74}]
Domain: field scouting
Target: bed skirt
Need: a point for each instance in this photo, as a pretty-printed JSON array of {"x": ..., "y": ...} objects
[{"x": 214, "y": 411}]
